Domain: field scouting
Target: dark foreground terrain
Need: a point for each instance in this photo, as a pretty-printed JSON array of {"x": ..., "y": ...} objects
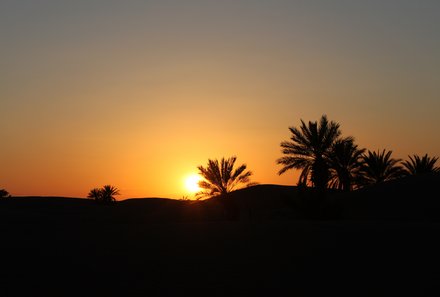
[{"x": 158, "y": 247}]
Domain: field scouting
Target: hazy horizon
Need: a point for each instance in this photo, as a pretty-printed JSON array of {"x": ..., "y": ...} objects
[{"x": 137, "y": 94}]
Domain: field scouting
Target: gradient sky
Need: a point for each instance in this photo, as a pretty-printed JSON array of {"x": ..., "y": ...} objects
[{"x": 138, "y": 93}]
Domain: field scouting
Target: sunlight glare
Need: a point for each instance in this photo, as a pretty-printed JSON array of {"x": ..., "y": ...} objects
[{"x": 192, "y": 183}]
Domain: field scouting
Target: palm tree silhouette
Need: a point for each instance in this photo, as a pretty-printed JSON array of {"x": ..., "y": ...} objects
[
  {"x": 95, "y": 194},
  {"x": 345, "y": 162},
  {"x": 420, "y": 165},
  {"x": 221, "y": 178},
  {"x": 105, "y": 194},
  {"x": 108, "y": 193},
  {"x": 308, "y": 150},
  {"x": 380, "y": 167}
]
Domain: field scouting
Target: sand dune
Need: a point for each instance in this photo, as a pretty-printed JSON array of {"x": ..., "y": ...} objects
[
  {"x": 414, "y": 197},
  {"x": 408, "y": 198},
  {"x": 163, "y": 247}
]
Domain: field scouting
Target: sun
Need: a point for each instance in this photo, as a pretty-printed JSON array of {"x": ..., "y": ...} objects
[{"x": 192, "y": 183}]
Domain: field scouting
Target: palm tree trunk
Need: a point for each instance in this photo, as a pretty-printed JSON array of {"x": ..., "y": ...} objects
[{"x": 320, "y": 174}]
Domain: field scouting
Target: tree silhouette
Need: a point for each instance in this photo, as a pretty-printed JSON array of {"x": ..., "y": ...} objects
[
  {"x": 420, "y": 165},
  {"x": 221, "y": 178},
  {"x": 379, "y": 167},
  {"x": 108, "y": 193},
  {"x": 345, "y": 162},
  {"x": 308, "y": 150},
  {"x": 105, "y": 194},
  {"x": 95, "y": 194},
  {"x": 3, "y": 193}
]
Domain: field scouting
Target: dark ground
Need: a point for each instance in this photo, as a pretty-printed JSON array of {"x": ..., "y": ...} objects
[
  {"x": 272, "y": 258},
  {"x": 379, "y": 242}
]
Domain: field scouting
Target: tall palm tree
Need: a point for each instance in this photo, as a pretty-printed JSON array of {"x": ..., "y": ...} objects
[
  {"x": 221, "y": 178},
  {"x": 380, "y": 167},
  {"x": 345, "y": 162},
  {"x": 420, "y": 165},
  {"x": 308, "y": 151}
]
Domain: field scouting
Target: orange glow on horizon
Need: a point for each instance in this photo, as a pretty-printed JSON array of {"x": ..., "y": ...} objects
[{"x": 138, "y": 95}]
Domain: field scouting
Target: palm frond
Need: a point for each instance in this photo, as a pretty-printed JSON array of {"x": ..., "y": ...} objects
[
  {"x": 420, "y": 165},
  {"x": 345, "y": 161},
  {"x": 379, "y": 167},
  {"x": 221, "y": 178},
  {"x": 105, "y": 194},
  {"x": 308, "y": 150}
]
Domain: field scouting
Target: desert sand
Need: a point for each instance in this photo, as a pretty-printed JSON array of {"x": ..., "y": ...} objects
[{"x": 54, "y": 246}]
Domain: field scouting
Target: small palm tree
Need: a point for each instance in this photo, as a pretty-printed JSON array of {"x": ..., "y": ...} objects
[
  {"x": 380, "y": 167},
  {"x": 95, "y": 194},
  {"x": 221, "y": 178},
  {"x": 4, "y": 193},
  {"x": 108, "y": 193},
  {"x": 420, "y": 165},
  {"x": 105, "y": 194},
  {"x": 308, "y": 150},
  {"x": 345, "y": 162}
]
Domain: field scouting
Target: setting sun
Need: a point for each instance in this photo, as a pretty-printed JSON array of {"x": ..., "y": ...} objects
[{"x": 192, "y": 183}]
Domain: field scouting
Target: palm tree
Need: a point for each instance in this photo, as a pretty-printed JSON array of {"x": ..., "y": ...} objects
[
  {"x": 221, "y": 178},
  {"x": 308, "y": 151},
  {"x": 105, "y": 194},
  {"x": 3, "y": 193},
  {"x": 380, "y": 167},
  {"x": 95, "y": 194},
  {"x": 108, "y": 193},
  {"x": 345, "y": 162},
  {"x": 417, "y": 165}
]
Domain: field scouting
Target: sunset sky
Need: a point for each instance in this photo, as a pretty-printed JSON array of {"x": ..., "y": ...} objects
[{"x": 137, "y": 94}]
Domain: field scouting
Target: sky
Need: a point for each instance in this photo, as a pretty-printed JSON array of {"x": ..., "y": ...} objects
[{"x": 137, "y": 94}]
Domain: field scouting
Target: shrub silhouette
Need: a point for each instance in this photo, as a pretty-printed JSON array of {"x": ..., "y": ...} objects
[
  {"x": 220, "y": 177},
  {"x": 420, "y": 165},
  {"x": 105, "y": 194},
  {"x": 4, "y": 193}
]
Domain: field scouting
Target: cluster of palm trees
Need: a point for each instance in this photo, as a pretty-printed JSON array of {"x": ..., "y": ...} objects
[
  {"x": 325, "y": 158},
  {"x": 105, "y": 194},
  {"x": 328, "y": 160}
]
